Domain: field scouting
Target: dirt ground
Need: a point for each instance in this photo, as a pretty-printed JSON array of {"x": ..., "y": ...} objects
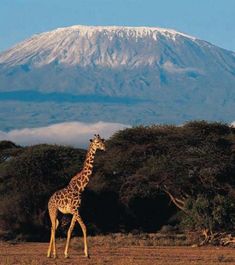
[{"x": 35, "y": 254}]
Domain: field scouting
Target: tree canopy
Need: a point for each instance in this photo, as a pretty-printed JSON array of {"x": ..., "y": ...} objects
[{"x": 143, "y": 170}]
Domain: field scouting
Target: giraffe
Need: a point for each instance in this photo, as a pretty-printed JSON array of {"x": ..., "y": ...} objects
[{"x": 68, "y": 200}]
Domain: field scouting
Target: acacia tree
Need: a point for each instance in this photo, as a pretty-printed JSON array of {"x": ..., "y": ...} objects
[
  {"x": 199, "y": 177},
  {"x": 193, "y": 164},
  {"x": 143, "y": 168},
  {"x": 26, "y": 182}
]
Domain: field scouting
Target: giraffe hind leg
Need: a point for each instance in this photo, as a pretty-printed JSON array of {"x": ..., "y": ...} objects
[
  {"x": 54, "y": 225},
  {"x": 51, "y": 240},
  {"x": 50, "y": 244}
]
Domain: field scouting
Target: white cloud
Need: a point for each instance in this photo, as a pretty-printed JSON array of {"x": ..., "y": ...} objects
[
  {"x": 68, "y": 133},
  {"x": 172, "y": 68}
]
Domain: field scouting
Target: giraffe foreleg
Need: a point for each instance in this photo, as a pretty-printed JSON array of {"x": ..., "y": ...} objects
[
  {"x": 69, "y": 235},
  {"x": 83, "y": 227}
]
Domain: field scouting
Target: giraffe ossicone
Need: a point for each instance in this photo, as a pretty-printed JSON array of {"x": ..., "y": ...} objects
[{"x": 68, "y": 199}]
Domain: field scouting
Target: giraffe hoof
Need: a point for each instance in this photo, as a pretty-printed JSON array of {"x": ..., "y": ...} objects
[
  {"x": 66, "y": 256},
  {"x": 87, "y": 256}
]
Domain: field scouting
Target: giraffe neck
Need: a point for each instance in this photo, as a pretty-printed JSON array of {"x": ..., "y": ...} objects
[
  {"x": 82, "y": 178},
  {"x": 89, "y": 161}
]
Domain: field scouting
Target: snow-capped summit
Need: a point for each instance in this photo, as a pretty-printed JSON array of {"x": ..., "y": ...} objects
[
  {"x": 85, "y": 45},
  {"x": 188, "y": 78},
  {"x": 137, "y": 32}
]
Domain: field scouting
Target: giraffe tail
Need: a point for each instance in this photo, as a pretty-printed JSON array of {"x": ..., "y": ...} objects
[{"x": 57, "y": 223}]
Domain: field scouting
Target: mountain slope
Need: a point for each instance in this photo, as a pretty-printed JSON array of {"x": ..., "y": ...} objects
[{"x": 171, "y": 70}]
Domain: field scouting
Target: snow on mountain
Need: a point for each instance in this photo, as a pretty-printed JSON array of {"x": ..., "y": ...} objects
[
  {"x": 181, "y": 76},
  {"x": 84, "y": 45}
]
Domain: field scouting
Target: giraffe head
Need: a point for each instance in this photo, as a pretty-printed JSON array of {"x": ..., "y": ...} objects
[{"x": 98, "y": 143}]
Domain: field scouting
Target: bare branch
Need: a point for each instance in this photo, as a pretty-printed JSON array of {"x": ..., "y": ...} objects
[{"x": 178, "y": 203}]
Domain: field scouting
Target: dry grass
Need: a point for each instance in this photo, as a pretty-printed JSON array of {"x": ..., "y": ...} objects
[
  {"x": 120, "y": 249},
  {"x": 143, "y": 239}
]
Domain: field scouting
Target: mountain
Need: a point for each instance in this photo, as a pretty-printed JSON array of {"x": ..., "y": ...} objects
[{"x": 125, "y": 74}]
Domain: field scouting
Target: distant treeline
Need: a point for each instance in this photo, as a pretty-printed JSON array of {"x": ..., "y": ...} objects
[
  {"x": 36, "y": 96},
  {"x": 148, "y": 177}
]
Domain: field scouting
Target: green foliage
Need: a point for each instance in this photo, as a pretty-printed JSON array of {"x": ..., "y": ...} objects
[
  {"x": 190, "y": 161},
  {"x": 28, "y": 180},
  {"x": 214, "y": 213},
  {"x": 8, "y": 150},
  {"x": 194, "y": 163}
]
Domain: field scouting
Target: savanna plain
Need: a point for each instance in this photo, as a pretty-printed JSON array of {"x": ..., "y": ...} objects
[{"x": 118, "y": 249}]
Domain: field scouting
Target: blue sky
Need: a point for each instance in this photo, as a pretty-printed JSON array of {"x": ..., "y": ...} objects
[{"x": 211, "y": 20}]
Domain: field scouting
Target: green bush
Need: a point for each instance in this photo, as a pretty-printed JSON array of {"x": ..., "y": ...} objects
[
  {"x": 131, "y": 183},
  {"x": 190, "y": 161},
  {"x": 215, "y": 213},
  {"x": 27, "y": 182}
]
